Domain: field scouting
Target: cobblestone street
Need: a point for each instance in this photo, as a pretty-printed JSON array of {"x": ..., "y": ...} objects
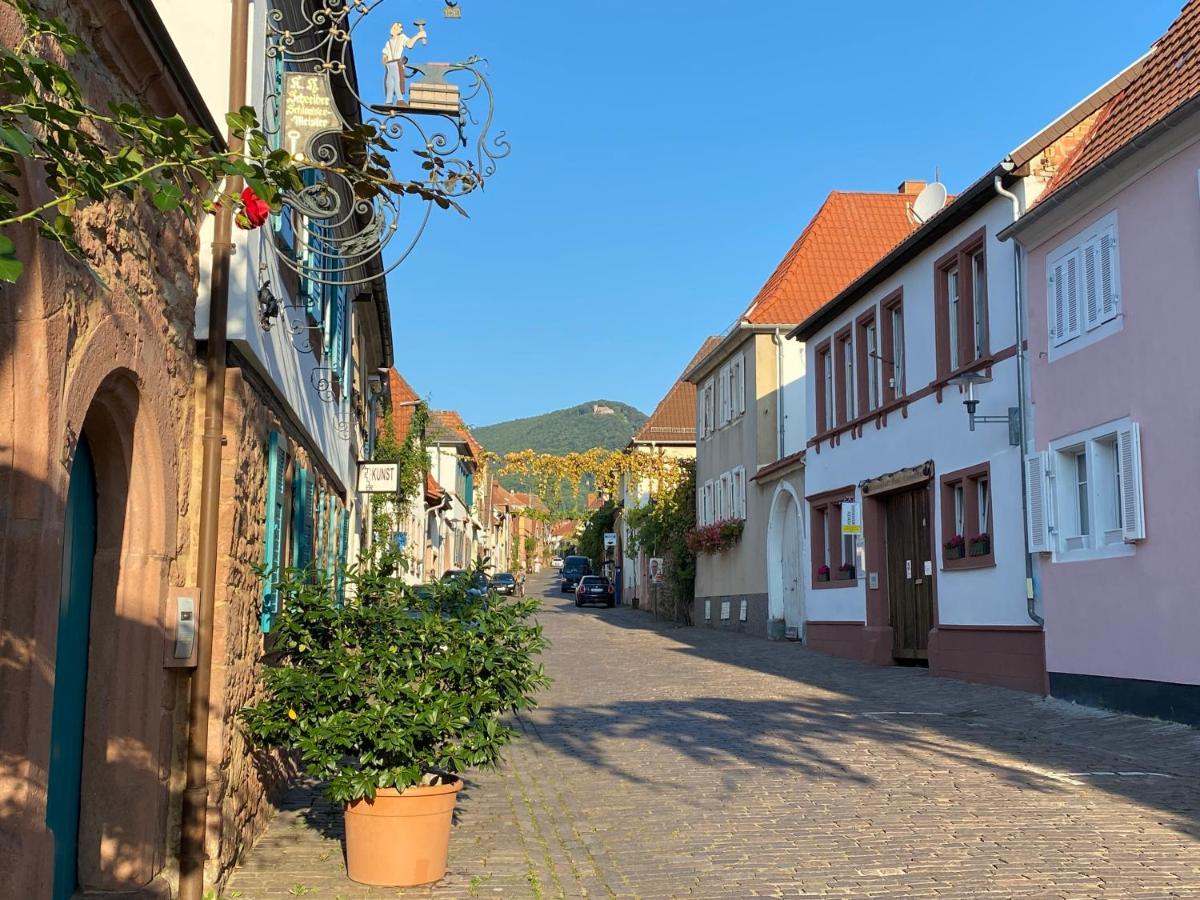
[{"x": 670, "y": 762}]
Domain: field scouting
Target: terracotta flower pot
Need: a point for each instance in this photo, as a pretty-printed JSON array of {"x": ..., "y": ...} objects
[{"x": 400, "y": 839}]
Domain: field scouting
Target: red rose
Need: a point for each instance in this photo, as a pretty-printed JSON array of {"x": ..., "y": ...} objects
[{"x": 255, "y": 210}]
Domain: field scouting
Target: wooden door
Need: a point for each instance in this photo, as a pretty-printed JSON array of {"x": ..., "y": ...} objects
[
  {"x": 910, "y": 589},
  {"x": 71, "y": 672}
]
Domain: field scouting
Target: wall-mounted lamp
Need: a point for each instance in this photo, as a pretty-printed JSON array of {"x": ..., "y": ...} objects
[{"x": 1012, "y": 420}]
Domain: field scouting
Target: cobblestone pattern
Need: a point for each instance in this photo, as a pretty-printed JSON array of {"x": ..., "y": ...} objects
[{"x": 672, "y": 762}]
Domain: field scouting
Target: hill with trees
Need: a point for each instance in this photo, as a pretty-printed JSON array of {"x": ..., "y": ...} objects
[{"x": 599, "y": 423}]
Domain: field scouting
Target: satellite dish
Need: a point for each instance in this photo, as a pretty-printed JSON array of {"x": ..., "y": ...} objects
[{"x": 929, "y": 202}]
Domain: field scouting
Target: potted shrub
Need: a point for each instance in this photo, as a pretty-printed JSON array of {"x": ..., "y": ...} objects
[
  {"x": 847, "y": 571},
  {"x": 981, "y": 544},
  {"x": 388, "y": 699},
  {"x": 953, "y": 548},
  {"x": 822, "y": 573}
]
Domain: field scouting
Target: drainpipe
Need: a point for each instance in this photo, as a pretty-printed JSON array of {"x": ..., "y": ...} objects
[
  {"x": 777, "y": 339},
  {"x": 1019, "y": 295},
  {"x": 195, "y": 795}
]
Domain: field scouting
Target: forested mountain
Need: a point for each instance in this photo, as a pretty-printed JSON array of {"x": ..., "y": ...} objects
[{"x": 600, "y": 423}]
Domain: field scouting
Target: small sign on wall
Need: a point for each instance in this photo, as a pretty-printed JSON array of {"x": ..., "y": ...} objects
[
  {"x": 852, "y": 518},
  {"x": 656, "y": 570},
  {"x": 378, "y": 478}
]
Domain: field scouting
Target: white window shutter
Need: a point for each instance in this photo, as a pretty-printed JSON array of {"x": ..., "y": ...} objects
[
  {"x": 1037, "y": 491},
  {"x": 1110, "y": 280},
  {"x": 739, "y": 385},
  {"x": 1129, "y": 454},
  {"x": 1055, "y": 302},
  {"x": 726, "y": 394},
  {"x": 1073, "y": 292},
  {"x": 1090, "y": 285}
]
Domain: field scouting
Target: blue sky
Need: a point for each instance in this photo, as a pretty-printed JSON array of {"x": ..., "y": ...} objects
[{"x": 666, "y": 154}]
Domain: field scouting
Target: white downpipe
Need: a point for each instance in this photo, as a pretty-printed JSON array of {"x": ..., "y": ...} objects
[
  {"x": 777, "y": 338},
  {"x": 1019, "y": 295}
]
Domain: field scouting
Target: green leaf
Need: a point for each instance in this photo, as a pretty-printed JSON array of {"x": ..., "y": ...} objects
[
  {"x": 15, "y": 139},
  {"x": 10, "y": 269}
]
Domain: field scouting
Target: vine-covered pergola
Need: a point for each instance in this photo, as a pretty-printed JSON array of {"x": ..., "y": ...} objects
[{"x": 605, "y": 469}]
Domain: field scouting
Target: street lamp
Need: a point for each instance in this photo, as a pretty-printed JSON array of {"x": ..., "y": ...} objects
[{"x": 1012, "y": 420}]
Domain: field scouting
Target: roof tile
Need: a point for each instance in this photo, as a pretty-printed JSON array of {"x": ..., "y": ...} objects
[{"x": 1170, "y": 78}]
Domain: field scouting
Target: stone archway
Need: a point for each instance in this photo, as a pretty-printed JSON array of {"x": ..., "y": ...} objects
[
  {"x": 785, "y": 552},
  {"x": 133, "y": 715}
]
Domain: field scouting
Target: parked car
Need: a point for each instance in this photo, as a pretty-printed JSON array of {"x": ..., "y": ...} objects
[
  {"x": 479, "y": 582},
  {"x": 595, "y": 589},
  {"x": 574, "y": 568},
  {"x": 557, "y": 562},
  {"x": 505, "y": 583}
]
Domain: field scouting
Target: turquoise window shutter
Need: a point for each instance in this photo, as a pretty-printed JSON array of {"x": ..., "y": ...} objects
[
  {"x": 273, "y": 544},
  {"x": 343, "y": 553},
  {"x": 331, "y": 541},
  {"x": 301, "y": 518}
]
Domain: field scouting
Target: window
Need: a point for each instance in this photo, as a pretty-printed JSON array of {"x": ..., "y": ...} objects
[
  {"x": 725, "y": 487},
  {"x": 708, "y": 408},
  {"x": 737, "y": 383},
  {"x": 870, "y": 366},
  {"x": 892, "y": 328},
  {"x": 1083, "y": 288},
  {"x": 954, "y": 322},
  {"x": 830, "y": 549},
  {"x": 1085, "y": 494},
  {"x": 967, "y": 533},
  {"x": 707, "y": 506},
  {"x": 960, "y": 297},
  {"x": 824, "y": 389},
  {"x": 845, "y": 369},
  {"x": 739, "y": 492}
]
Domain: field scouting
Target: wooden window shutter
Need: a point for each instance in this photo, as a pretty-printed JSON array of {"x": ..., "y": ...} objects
[
  {"x": 1129, "y": 457},
  {"x": 1055, "y": 304},
  {"x": 1072, "y": 321},
  {"x": 1110, "y": 281},
  {"x": 332, "y": 550},
  {"x": 343, "y": 553},
  {"x": 273, "y": 543},
  {"x": 1037, "y": 489}
]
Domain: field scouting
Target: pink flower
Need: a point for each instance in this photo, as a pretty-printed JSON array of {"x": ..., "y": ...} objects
[{"x": 255, "y": 211}]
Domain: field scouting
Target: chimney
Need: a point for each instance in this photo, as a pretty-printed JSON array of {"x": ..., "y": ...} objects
[{"x": 911, "y": 188}]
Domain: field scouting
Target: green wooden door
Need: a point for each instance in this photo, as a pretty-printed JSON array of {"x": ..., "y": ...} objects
[{"x": 71, "y": 671}]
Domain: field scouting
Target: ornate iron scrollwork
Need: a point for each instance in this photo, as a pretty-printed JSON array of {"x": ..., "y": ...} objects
[{"x": 355, "y": 219}]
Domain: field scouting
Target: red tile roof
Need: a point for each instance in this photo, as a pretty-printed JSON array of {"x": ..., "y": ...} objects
[
  {"x": 447, "y": 426},
  {"x": 403, "y": 401},
  {"x": 1169, "y": 78},
  {"x": 433, "y": 490},
  {"x": 849, "y": 233},
  {"x": 674, "y": 419}
]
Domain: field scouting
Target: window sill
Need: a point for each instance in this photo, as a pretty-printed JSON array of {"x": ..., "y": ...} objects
[
  {"x": 834, "y": 585},
  {"x": 1088, "y": 554},
  {"x": 967, "y": 563}
]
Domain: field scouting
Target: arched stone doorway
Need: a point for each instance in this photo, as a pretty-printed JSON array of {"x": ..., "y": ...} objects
[
  {"x": 109, "y": 663},
  {"x": 785, "y": 551}
]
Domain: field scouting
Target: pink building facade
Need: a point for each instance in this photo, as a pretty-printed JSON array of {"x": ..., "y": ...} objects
[{"x": 1112, "y": 264}]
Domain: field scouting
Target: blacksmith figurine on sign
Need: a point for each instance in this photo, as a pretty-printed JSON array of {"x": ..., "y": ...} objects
[{"x": 395, "y": 60}]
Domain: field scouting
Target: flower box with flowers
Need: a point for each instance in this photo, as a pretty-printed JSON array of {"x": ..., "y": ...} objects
[
  {"x": 980, "y": 545},
  {"x": 954, "y": 548},
  {"x": 716, "y": 538},
  {"x": 822, "y": 573}
]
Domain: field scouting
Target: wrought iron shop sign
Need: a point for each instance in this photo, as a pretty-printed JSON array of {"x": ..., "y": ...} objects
[{"x": 356, "y": 217}]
